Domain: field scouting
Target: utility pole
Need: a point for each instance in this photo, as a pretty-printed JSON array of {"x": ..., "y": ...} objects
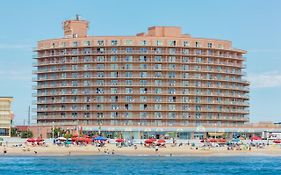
[{"x": 28, "y": 120}]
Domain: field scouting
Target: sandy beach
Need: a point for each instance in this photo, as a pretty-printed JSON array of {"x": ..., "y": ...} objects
[{"x": 112, "y": 149}]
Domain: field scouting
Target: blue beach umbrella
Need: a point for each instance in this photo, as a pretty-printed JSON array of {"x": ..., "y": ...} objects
[
  {"x": 100, "y": 138},
  {"x": 236, "y": 140}
]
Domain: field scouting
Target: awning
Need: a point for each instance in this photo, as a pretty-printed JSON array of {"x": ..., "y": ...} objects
[{"x": 215, "y": 133}]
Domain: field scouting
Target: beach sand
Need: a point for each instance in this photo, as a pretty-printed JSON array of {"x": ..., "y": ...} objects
[{"x": 74, "y": 150}]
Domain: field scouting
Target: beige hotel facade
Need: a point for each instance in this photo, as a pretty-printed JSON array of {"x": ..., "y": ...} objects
[
  {"x": 155, "y": 83},
  {"x": 6, "y": 116}
]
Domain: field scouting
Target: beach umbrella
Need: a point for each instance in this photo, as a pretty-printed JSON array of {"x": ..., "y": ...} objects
[
  {"x": 212, "y": 140},
  {"x": 161, "y": 141},
  {"x": 222, "y": 140},
  {"x": 61, "y": 138},
  {"x": 236, "y": 140},
  {"x": 119, "y": 140},
  {"x": 74, "y": 139},
  {"x": 75, "y": 135},
  {"x": 100, "y": 138},
  {"x": 81, "y": 139},
  {"x": 149, "y": 141},
  {"x": 88, "y": 140},
  {"x": 254, "y": 137},
  {"x": 39, "y": 140},
  {"x": 32, "y": 140},
  {"x": 277, "y": 141}
]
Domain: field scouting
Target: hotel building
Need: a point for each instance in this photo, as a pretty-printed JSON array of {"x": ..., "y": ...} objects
[
  {"x": 149, "y": 84},
  {"x": 6, "y": 116}
]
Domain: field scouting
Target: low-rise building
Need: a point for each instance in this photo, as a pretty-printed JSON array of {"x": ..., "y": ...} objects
[{"x": 6, "y": 116}]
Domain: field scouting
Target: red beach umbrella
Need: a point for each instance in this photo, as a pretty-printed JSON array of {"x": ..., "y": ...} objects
[
  {"x": 212, "y": 140},
  {"x": 32, "y": 140},
  {"x": 277, "y": 141},
  {"x": 74, "y": 139},
  {"x": 149, "y": 141},
  {"x": 88, "y": 140},
  {"x": 81, "y": 139},
  {"x": 75, "y": 135},
  {"x": 254, "y": 137},
  {"x": 119, "y": 140},
  {"x": 222, "y": 140},
  {"x": 39, "y": 140},
  {"x": 161, "y": 141}
]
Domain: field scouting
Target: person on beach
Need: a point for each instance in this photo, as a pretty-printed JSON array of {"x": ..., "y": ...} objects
[{"x": 156, "y": 148}]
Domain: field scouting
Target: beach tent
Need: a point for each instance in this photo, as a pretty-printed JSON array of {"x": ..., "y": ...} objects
[{"x": 99, "y": 138}]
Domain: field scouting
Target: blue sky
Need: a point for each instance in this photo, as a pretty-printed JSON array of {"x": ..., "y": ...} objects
[{"x": 252, "y": 25}]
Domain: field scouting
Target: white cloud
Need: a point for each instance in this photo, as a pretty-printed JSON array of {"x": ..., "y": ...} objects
[{"x": 265, "y": 80}]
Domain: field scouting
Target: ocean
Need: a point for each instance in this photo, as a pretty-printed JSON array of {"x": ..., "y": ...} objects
[{"x": 123, "y": 165}]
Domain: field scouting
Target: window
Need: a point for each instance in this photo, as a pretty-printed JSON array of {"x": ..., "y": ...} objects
[
  {"x": 128, "y": 42},
  {"x": 129, "y": 50},
  {"x": 158, "y": 82},
  {"x": 210, "y": 45},
  {"x": 114, "y": 50},
  {"x": 143, "y": 50},
  {"x": 172, "y": 99},
  {"x": 143, "y": 82},
  {"x": 128, "y": 74},
  {"x": 157, "y": 99},
  {"x": 100, "y": 43},
  {"x": 143, "y": 90},
  {"x": 158, "y": 43},
  {"x": 128, "y": 98},
  {"x": 185, "y": 59},
  {"x": 185, "y": 43},
  {"x": 129, "y": 58},
  {"x": 172, "y": 59},
  {"x": 129, "y": 82},
  {"x": 197, "y": 44},
  {"x": 74, "y": 44},
  {"x": 172, "y": 43},
  {"x": 143, "y": 74},
  {"x": 143, "y": 66},
  {"x": 129, "y": 90},
  {"x": 114, "y": 58},
  {"x": 172, "y": 50},
  {"x": 87, "y": 43},
  {"x": 157, "y": 58},
  {"x": 114, "y": 42},
  {"x": 143, "y": 59},
  {"x": 143, "y": 43},
  {"x": 114, "y": 82},
  {"x": 143, "y": 98},
  {"x": 157, "y": 66},
  {"x": 172, "y": 66},
  {"x": 158, "y": 90}
]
